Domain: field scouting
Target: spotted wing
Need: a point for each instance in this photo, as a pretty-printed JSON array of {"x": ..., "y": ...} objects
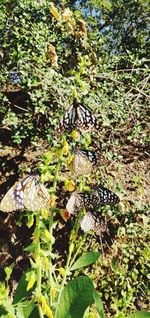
[
  {"x": 14, "y": 198},
  {"x": 28, "y": 194},
  {"x": 74, "y": 203},
  {"x": 36, "y": 196},
  {"x": 89, "y": 222},
  {"x": 81, "y": 164},
  {"x": 101, "y": 196},
  {"x": 78, "y": 116},
  {"x": 67, "y": 122},
  {"x": 86, "y": 120},
  {"x": 91, "y": 155}
]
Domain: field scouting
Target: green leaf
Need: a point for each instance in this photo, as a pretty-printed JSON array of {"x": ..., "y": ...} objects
[
  {"x": 21, "y": 291},
  {"x": 35, "y": 313},
  {"x": 85, "y": 260},
  {"x": 76, "y": 297},
  {"x": 24, "y": 309},
  {"x": 139, "y": 314},
  {"x": 3, "y": 310},
  {"x": 99, "y": 304}
]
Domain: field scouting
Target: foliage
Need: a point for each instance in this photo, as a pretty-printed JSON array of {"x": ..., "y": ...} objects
[{"x": 51, "y": 53}]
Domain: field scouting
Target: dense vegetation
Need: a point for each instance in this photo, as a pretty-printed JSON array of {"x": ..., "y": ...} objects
[{"x": 51, "y": 53}]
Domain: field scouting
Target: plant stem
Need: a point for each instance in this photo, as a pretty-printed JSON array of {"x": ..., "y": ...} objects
[
  {"x": 56, "y": 174},
  {"x": 63, "y": 282},
  {"x": 78, "y": 249},
  {"x": 51, "y": 224},
  {"x": 39, "y": 275},
  {"x": 50, "y": 250}
]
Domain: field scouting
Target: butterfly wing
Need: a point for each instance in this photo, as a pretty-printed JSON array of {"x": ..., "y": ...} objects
[
  {"x": 10, "y": 202},
  {"x": 81, "y": 164},
  {"x": 102, "y": 196},
  {"x": 68, "y": 120},
  {"x": 36, "y": 197},
  {"x": 14, "y": 198},
  {"x": 91, "y": 155},
  {"x": 74, "y": 203},
  {"x": 78, "y": 116},
  {"x": 89, "y": 222},
  {"x": 85, "y": 118},
  {"x": 28, "y": 194}
]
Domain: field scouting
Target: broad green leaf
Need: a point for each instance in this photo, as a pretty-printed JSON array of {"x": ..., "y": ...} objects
[
  {"x": 21, "y": 291},
  {"x": 7, "y": 310},
  {"x": 24, "y": 309},
  {"x": 76, "y": 297},
  {"x": 99, "y": 304},
  {"x": 3, "y": 310},
  {"x": 139, "y": 314},
  {"x": 34, "y": 313},
  {"x": 85, "y": 260}
]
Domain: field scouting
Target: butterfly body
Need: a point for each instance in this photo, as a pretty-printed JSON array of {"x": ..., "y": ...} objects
[
  {"x": 78, "y": 116},
  {"x": 27, "y": 194}
]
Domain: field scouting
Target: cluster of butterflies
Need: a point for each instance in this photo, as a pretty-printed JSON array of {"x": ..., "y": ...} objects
[
  {"x": 31, "y": 195},
  {"x": 91, "y": 201}
]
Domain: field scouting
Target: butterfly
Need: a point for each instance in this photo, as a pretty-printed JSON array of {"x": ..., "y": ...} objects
[
  {"x": 89, "y": 222},
  {"x": 99, "y": 197},
  {"x": 75, "y": 203},
  {"x": 78, "y": 116},
  {"x": 83, "y": 161},
  {"x": 28, "y": 193},
  {"x": 95, "y": 199}
]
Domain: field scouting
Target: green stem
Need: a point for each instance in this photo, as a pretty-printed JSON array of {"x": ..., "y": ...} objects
[
  {"x": 68, "y": 265},
  {"x": 50, "y": 250},
  {"x": 56, "y": 174},
  {"x": 51, "y": 224},
  {"x": 78, "y": 249},
  {"x": 39, "y": 273},
  {"x": 63, "y": 282}
]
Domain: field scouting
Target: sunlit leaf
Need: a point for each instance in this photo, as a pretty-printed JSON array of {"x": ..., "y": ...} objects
[
  {"x": 76, "y": 297},
  {"x": 85, "y": 260}
]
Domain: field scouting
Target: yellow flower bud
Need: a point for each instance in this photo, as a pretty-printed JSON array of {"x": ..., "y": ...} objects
[
  {"x": 62, "y": 271},
  {"x": 54, "y": 12},
  {"x": 45, "y": 308},
  {"x": 48, "y": 312},
  {"x": 69, "y": 185},
  {"x": 44, "y": 213},
  {"x": 47, "y": 235},
  {"x": 71, "y": 247},
  {"x": 75, "y": 135},
  {"x": 42, "y": 301},
  {"x": 31, "y": 281},
  {"x": 67, "y": 14},
  {"x": 53, "y": 200},
  {"x": 65, "y": 148},
  {"x": 70, "y": 160},
  {"x": 46, "y": 264},
  {"x": 53, "y": 292},
  {"x": 30, "y": 220}
]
